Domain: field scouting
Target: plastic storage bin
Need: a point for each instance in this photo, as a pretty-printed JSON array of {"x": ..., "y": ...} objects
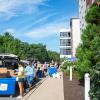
[{"x": 7, "y": 86}]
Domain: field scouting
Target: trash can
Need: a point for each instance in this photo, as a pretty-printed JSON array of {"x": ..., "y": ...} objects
[{"x": 7, "y": 86}]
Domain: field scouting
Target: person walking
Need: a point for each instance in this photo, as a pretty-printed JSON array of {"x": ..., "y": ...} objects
[
  {"x": 29, "y": 74},
  {"x": 39, "y": 73}
]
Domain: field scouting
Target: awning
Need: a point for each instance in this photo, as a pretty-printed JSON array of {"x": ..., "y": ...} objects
[{"x": 72, "y": 59}]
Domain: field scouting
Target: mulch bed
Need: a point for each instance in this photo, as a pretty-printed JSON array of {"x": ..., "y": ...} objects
[{"x": 73, "y": 90}]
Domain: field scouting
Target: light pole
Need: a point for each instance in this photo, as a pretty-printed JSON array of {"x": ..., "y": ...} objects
[{"x": 71, "y": 71}]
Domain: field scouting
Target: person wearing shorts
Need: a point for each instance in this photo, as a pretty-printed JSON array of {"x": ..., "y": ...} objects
[{"x": 21, "y": 77}]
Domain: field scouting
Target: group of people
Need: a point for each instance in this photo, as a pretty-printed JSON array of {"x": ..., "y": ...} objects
[{"x": 31, "y": 71}]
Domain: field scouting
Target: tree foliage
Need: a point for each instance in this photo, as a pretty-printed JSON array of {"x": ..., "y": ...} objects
[
  {"x": 95, "y": 18},
  {"x": 9, "y": 44},
  {"x": 88, "y": 53},
  {"x": 53, "y": 56}
]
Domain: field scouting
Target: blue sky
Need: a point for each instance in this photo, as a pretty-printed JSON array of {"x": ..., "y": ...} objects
[{"x": 37, "y": 21}]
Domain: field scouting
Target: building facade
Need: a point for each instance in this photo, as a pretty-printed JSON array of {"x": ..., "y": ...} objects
[
  {"x": 83, "y": 8},
  {"x": 76, "y": 36},
  {"x": 82, "y": 13},
  {"x": 65, "y": 43}
]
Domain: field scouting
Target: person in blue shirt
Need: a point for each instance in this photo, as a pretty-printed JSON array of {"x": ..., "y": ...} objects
[
  {"x": 29, "y": 74},
  {"x": 39, "y": 73}
]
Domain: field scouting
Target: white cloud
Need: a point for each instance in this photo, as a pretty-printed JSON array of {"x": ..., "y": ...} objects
[
  {"x": 9, "y": 8},
  {"x": 39, "y": 20},
  {"x": 11, "y": 30},
  {"x": 47, "y": 30}
]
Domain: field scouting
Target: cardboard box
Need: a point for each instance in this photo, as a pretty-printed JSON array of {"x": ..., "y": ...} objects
[
  {"x": 11, "y": 72},
  {"x": 3, "y": 72}
]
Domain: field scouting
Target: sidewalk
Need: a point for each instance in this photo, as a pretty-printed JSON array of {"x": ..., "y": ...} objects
[{"x": 50, "y": 89}]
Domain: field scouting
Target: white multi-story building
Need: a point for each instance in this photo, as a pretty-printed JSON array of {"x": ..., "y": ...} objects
[
  {"x": 76, "y": 36},
  {"x": 83, "y": 8},
  {"x": 65, "y": 43},
  {"x": 70, "y": 39}
]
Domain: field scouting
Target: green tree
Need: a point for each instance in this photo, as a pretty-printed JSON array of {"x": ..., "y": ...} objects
[
  {"x": 1, "y": 44},
  {"x": 9, "y": 44},
  {"x": 54, "y": 56},
  {"x": 39, "y": 52},
  {"x": 88, "y": 53}
]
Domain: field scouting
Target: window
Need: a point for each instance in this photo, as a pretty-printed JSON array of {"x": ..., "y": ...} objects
[
  {"x": 83, "y": 25},
  {"x": 65, "y": 42},
  {"x": 65, "y": 34},
  {"x": 65, "y": 51},
  {"x": 69, "y": 35}
]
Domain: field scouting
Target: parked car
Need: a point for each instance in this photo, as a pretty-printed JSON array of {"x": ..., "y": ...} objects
[{"x": 10, "y": 61}]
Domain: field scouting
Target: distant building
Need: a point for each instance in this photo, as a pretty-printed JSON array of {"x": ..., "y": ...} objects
[
  {"x": 83, "y": 8},
  {"x": 70, "y": 39},
  {"x": 65, "y": 43},
  {"x": 76, "y": 36}
]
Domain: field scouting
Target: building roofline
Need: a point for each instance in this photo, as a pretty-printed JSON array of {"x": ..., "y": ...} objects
[{"x": 74, "y": 18}]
